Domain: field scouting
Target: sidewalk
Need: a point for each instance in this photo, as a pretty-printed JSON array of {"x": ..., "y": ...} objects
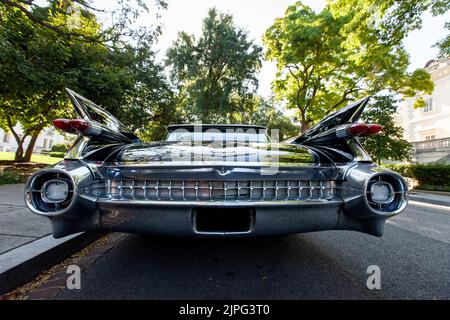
[
  {"x": 26, "y": 244},
  {"x": 18, "y": 225},
  {"x": 438, "y": 198}
]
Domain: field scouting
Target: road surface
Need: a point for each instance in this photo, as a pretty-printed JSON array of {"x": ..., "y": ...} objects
[{"x": 413, "y": 256}]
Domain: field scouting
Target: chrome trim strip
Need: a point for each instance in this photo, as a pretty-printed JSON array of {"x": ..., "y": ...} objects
[
  {"x": 234, "y": 203},
  {"x": 212, "y": 190}
]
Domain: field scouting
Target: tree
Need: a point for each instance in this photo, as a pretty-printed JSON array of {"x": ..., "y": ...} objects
[
  {"x": 37, "y": 12},
  {"x": 273, "y": 117},
  {"x": 391, "y": 20},
  {"x": 389, "y": 143},
  {"x": 36, "y": 64},
  {"x": 215, "y": 74},
  {"x": 323, "y": 63},
  {"x": 444, "y": 44}
]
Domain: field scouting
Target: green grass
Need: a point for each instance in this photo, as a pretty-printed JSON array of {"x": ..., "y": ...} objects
[{"x": 34, "y": 158}]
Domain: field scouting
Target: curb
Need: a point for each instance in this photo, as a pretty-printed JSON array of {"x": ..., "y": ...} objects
[
  {"x": 430, "y": 201},
  {"x": 23, "y": 264},
  {"x": 439, "y": 193},
  {"x": 57, "y": 282}
]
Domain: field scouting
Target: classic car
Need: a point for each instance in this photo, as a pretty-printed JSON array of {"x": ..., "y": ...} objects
[{"x": 215, "y": 180}]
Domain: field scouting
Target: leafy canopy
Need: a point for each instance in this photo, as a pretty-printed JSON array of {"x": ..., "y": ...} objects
[
  {"x": 323, "y": 62},
  {"x": 391, "y": 19},
  {"x": 215, "y": 74},
  {"x": 389, "y": 143},
  {"x": 37, "y": 63}
]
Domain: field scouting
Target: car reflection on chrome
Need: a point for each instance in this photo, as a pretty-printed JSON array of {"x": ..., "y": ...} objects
[{"x": 215, "y": 180}]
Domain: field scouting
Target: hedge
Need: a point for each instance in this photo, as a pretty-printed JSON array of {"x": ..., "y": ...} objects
[
  {"x": 403, "y": 169},
  {"x": 57, "y": 154},
  {"x": 433, "y": 188},
  {"x": 430, "y": 176},
  {"x": 59, "y": 148}
]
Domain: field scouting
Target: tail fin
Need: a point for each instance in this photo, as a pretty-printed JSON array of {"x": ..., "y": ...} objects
[
  {"x": 94, "y": 122},
  {"x": 337, "y": 135}
]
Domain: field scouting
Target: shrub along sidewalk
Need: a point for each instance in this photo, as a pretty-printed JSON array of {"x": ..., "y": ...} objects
[{"x": 433, "y": 176}]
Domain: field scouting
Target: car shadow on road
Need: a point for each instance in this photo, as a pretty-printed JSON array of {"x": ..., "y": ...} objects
[{"x": 282, "y": 267}]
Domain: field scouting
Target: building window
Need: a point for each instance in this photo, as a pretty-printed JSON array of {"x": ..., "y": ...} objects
[
  {"x": 6, "y": 137},
  {"x": 428, "y": 105},
  {"x": 50, "y": 144},
  {"x": 45, "y": 144},
  {"x": 51, "y": 131},
  {"x": 430, "y": 137}
]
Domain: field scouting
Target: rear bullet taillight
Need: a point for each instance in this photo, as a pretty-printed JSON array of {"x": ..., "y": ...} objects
[
  {"x": 363, "y": 129},
  {"x": 71, "y": 125}
]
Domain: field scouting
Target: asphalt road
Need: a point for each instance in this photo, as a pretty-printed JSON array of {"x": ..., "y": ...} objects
[{"x": 413, "y": 256}]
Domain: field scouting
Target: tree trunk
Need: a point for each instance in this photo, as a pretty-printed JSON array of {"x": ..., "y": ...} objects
[
  {"x": 18, "y": 156},
  {"x": 303, "y": 122},
  {"x": 30, "y": 147}
]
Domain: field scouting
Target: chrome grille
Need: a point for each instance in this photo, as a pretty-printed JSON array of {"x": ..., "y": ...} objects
[{"x": 201, "y": 190}]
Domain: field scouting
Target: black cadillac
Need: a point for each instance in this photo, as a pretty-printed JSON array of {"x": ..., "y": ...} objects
[{"x": 215, "y": 180}]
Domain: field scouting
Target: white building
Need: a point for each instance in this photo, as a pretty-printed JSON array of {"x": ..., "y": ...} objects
[
  {"x": 46, "y": 139},
  {"x": 428, "y": 128}
]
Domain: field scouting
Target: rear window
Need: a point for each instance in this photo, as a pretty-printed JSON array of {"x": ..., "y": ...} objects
[{"x": 218, "y": 134}]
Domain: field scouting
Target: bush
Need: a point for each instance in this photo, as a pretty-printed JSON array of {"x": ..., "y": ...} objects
[
  {"x": 10, "y": 177},
  {"x": 432, "y": 176},
  {"x": 57, "y": 154},
  {"x": 403, "y": 169},
  {"x": 59, "y": 148},
  {"x": 433, "y": 188}
]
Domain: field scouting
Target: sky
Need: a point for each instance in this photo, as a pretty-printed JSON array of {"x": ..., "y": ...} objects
[{"x": 255, "y": 16}]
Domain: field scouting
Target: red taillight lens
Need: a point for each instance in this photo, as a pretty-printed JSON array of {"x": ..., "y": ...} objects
[
  {"x": 71, "y": 125},
  {"x": 63, "y": 124},
  {"x": 363, "y": 129},
  {"x": 79, "y": 124},
  {"x": 373, "y": 129},
  {"x": 357, "y": 129}
]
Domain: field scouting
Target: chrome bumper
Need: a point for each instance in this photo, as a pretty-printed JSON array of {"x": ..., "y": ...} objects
[
  {"x": 332, "y": 199},
  {"x": 178, "y": 219}
]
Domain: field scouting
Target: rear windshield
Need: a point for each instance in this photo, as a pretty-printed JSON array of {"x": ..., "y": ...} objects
[{"x": 216, "y": 134}]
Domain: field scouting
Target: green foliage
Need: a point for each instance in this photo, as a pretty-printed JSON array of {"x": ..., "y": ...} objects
[
  {"x": 430, "y": 187},
  {"x": 271, "y": 115},
  {"x": 402, "y": 168},
  {"x": 57, "y": 154},
  {"x": 444, "y": 44},
  {"x": 59, "y": 148},
  {"x": 37, "y": 63},
  {"x": 329, "y": 58},
  {"x": 215, "y": 73},
  {"x": 389, "y": 143},
  {"x": 432, "y": 176},
  {"x": 10, "y": 177},
  {"x": 392, "y": 20},
  {"x": 71, "y": 18}
]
